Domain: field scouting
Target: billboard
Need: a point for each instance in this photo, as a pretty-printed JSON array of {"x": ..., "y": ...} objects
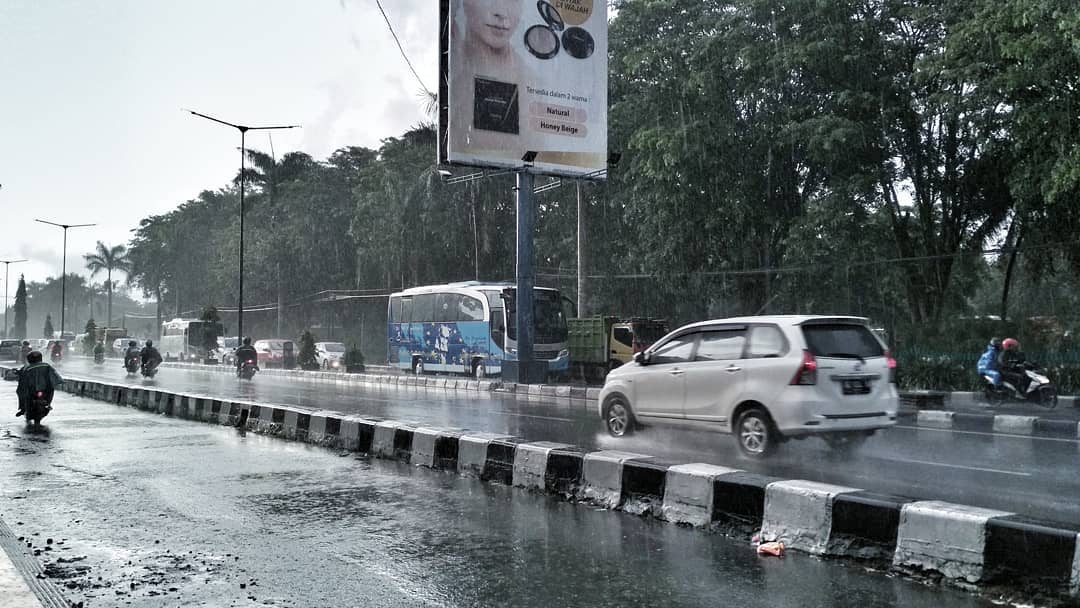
[{"x": 524, "y": 75}]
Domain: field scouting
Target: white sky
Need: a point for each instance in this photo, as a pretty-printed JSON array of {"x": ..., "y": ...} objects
[{"x": 91, "y": 91}]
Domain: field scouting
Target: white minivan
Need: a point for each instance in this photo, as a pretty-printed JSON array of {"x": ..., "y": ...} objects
[{"x": 764, "y": 379}]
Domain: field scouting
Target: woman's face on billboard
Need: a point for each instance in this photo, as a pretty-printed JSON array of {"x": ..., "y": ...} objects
[{"x": 492, "y": 21}]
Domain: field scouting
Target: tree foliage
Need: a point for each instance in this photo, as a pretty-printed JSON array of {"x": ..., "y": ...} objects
[
  {"x": 19, "y": 329},
  {"x": 851, "y": 156}
]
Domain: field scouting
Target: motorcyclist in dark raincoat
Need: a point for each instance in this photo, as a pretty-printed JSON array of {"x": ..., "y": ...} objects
[{"x": 36, "y": 376}]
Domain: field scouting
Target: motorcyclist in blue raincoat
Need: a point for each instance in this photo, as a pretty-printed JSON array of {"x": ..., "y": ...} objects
[{"x": 988, "y": 362}]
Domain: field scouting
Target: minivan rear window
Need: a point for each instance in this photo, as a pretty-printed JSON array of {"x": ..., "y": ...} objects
[{"x": 842, "y": 341}]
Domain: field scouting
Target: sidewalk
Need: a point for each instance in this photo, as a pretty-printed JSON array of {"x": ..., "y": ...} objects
[{"x": 14, "y": 590}]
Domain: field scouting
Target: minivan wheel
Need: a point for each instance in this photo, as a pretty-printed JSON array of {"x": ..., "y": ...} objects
[
  {"x": 618, "y": 420},
  {"x": 845, "y": 442},
  {"x": 418, "y": 366},
  {"x": 755, "y": 434}
]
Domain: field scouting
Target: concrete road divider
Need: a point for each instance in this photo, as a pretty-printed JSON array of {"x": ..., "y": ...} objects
[
  {"x": 944, "y": 537},
  {"x": 688, "y": 492},
  {"x": 960, "y": 542},
  {"x": 799, "y": 514},
  {"x": 602, "y": 477}
]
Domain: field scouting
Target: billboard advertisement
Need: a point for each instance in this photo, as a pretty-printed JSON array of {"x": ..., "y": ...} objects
[{"x": 524, "y": 75}]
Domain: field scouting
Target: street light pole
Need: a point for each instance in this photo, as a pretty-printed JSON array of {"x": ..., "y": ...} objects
[
  {"x": 7, "y": 264},
  {"x": 63, "y": 271},
  {"x": 243, "y": 153}
]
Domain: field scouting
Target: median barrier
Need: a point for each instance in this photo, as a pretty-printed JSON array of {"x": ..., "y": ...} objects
[
  {"x": 959, "y": 542},
  {"x": 602, "y": 476},
  {"x": 688, "y": 492},
  {"x": 799, "y": 514},
  {"x": 944, "y": 537}
]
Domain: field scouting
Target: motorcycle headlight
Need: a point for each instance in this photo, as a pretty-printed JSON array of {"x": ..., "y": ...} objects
[{"x": 335, "y": 363}]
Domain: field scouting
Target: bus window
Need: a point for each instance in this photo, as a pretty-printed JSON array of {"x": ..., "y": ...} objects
[
  {"x": 424, "y": 308},
  {"x": 406, "y": 310},
  {"x": 498, "y": 327},
  {"x": 447, "y": 306},
  {"x": 394, "y": 314},
  {"x": 471, "y": 309}
]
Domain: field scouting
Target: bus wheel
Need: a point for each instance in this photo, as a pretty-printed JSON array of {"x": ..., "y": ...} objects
[
  {"x": 418, "y": 366},
  {"x": 479, "y": 370}
]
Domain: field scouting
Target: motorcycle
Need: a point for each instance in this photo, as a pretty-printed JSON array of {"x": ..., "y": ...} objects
[
  {"x": 247, "y": 370},
  {"x": 149, "y": 369},
  {"x": 56, "y": 356},
  {"x": 131, "y": 364},
  {"x": 1039, "y": 389},
  {"x": 39, "y": 407}
]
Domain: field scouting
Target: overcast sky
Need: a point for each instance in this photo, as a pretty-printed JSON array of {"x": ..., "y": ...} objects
[{"x": 91, "y": 127}]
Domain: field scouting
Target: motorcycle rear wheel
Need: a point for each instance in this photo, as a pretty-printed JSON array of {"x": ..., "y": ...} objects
[
  {"x": 1048, "y": 397},
  {"x": 995, "y": 396}
]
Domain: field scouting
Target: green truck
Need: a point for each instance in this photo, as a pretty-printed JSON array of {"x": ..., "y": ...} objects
[{"x": 600, "y": 344}]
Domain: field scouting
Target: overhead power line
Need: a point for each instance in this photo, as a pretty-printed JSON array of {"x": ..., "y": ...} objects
[
  {"x": 807, "y": 267},
  {"x": 402, "y": 49}
]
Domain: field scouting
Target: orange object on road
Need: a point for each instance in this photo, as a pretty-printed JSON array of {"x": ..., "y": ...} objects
[{"x": 775, "y": 549}]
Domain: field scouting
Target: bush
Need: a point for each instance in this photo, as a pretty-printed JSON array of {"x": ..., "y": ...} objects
[{"x": 956, "y": 371}]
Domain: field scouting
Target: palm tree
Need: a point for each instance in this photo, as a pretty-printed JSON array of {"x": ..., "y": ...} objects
[{"x": 108, "y": 259}]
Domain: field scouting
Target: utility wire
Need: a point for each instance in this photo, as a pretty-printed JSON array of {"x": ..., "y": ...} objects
[
  {"x": 402, "y": 49},
  {"x": 805, "y": 268}
]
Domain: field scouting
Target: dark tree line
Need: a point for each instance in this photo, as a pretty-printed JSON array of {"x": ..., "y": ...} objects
[{"x": 799, "y": 156}]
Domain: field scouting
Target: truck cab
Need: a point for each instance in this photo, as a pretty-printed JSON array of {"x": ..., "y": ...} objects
[{"x": 600, "y": 344}]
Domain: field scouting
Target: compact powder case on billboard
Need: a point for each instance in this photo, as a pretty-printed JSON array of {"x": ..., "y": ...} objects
[
  {"x": 495, "y": 106},
  {"x": 542, "y": 40},
  {"x": 578, "y": 43}
]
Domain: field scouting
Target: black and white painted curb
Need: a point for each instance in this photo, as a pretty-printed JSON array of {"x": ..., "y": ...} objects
[
  {"x": 957, "y": 541},
  {"x": 993, "y": 423}
]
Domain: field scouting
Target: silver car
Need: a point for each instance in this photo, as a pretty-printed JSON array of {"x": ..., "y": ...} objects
[{"x": 765, "y": 379}]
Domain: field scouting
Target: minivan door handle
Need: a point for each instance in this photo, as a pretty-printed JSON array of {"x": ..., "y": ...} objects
[
  {"x": 732, "y": 369},
  {"x": 676, "y": 372}
]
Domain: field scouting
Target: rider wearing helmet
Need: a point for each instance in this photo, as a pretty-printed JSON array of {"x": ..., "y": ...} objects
[
  {"x": 1011, "y": 363},
  {"x": 988, "y": 362},
  {"x": 24, "y": 351},
  {"x": 246, "y": 353},
  {"x": 150, "y": 355}
]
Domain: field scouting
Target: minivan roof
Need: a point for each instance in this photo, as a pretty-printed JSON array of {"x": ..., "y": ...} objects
[{"x": 780, "y": 319}]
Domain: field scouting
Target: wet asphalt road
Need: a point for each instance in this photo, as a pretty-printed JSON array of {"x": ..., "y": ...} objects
[
  {"x": 1034, "y": 476},
  {"x": 148, "y": 511}
]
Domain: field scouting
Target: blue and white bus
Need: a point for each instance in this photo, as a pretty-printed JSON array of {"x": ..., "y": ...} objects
[{"x": 469, "y": 328}]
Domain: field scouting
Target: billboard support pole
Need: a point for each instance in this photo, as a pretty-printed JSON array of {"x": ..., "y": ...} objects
[{"x": 524, "y": 298}]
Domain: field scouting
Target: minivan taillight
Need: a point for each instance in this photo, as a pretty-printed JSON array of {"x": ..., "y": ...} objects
[
  {"x": 807, "y": 374},
  {"x": 892, "y": 367}
]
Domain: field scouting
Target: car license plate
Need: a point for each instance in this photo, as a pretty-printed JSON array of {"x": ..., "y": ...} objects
[{"x": 856, "y": 387}]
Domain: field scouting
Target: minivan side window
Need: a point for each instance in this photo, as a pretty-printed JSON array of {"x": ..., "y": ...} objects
[
  {"x": 676, "y": 350},
  {"x": 721, "y": 345},
  {"x": 766, "y": 341}
]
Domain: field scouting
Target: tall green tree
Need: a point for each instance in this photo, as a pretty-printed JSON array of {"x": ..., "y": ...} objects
[
  {"x": 108, "y": 259},
  {"x": 19, "y": 329}
]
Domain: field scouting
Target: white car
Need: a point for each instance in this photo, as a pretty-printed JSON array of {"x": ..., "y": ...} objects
[
  {"x": 330, "y": 355},
  {"x": 764, "y": 379}
]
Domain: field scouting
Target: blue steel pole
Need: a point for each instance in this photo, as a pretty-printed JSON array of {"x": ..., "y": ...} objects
[{"x": 524, "y": 299}]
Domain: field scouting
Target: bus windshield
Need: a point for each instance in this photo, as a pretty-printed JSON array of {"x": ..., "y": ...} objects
[{"x": 549, "y": 319}]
